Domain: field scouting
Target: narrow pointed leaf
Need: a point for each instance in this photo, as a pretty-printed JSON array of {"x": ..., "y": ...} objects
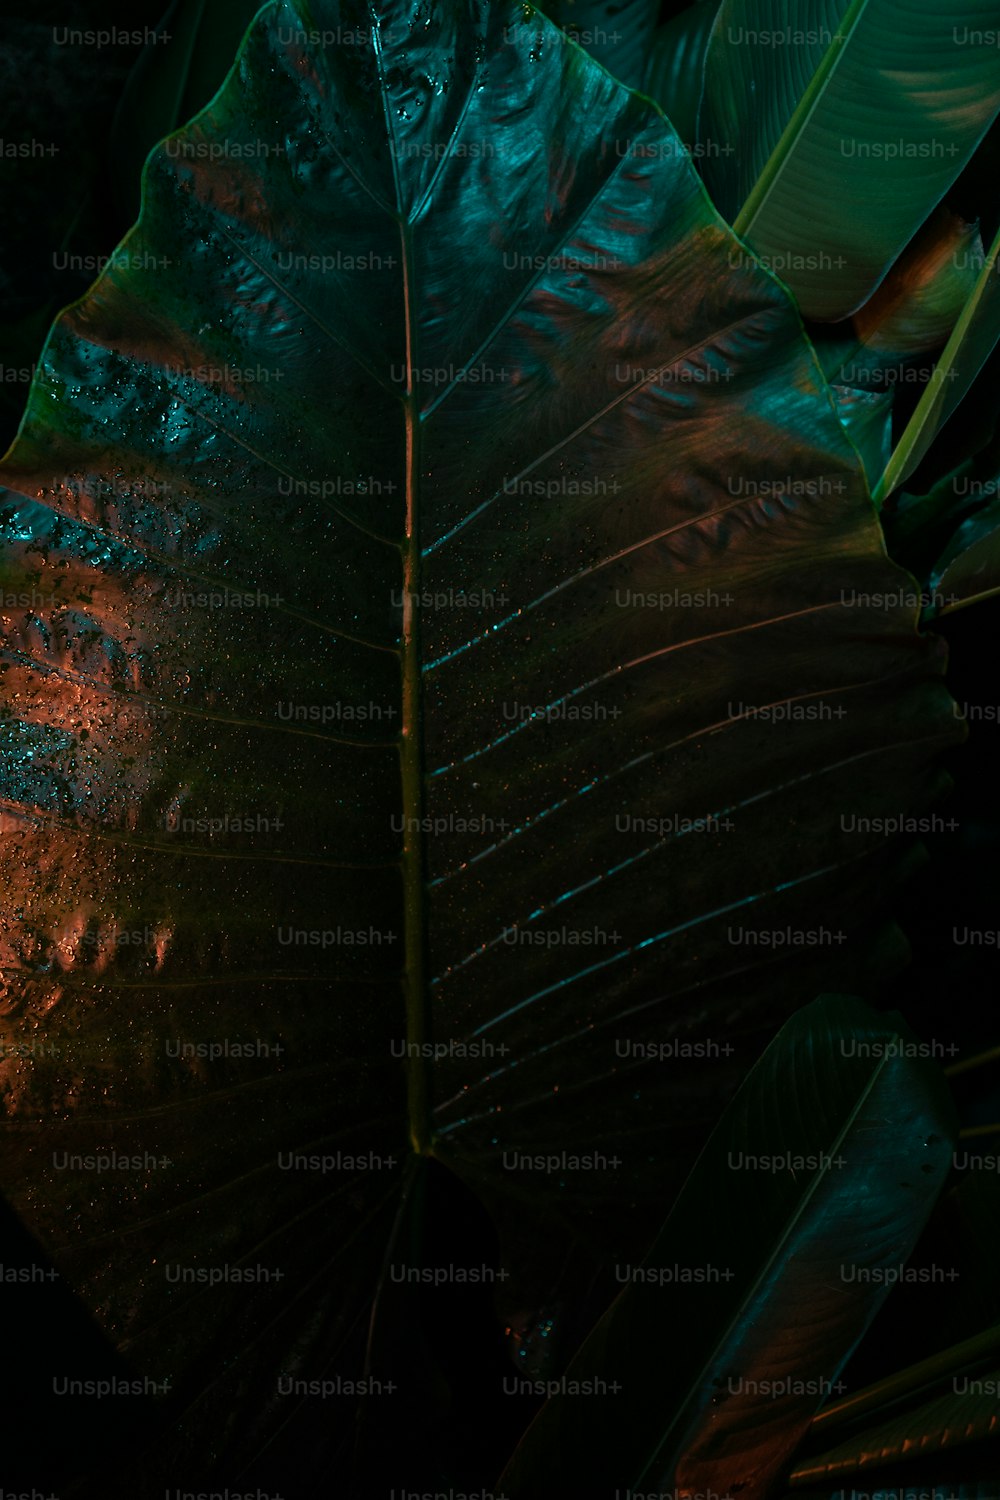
[
  {"x": 851, "y": 118},
  {"x": 779, "y": 1251},
  {"x": 914, "y": 1380},
  {"x": 971, "y": 342}
]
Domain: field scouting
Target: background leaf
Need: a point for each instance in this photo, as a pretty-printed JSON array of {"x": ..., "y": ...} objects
[
  {"x": 969, "y": 568},
  {"x": 971, "y": 342},
  {"x": 913, "y": 311},
  {"x": 968, "y": 1413},
  {"x": 57, "y": 205},
  {"x": 675, "y": 69},
  {"x": 919, "y": 302},
  {"x": 850, "y": 119},
  {"x": 175, "y": 76},
  {"x": 828, "y": 1161},
  {"x": 617, "y": 33},
  {"x": 920, "y": 1489}
]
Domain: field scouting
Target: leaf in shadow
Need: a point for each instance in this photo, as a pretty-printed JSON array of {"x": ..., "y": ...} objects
[
  {"x": 617, "y": 33},
  {"x": 969, "y": 345},
  {"x": 181, "y": 66},
  {"x": 967, "y": 1413},
  {"x": 705, "y": 1372},
  {"x": 919, "y": 302},
  {"x": 675, "y": 70}
]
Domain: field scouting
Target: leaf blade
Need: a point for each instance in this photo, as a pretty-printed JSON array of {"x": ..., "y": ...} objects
[
  {"x": 972, "y": 340},
  {"x": 826, "y": 209},
  {"x": 220, "y": 417},
  {"x": 774, "y": 1323}
]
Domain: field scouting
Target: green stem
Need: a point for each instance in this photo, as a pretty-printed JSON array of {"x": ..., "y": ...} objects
[{"x": 897, "y": 467}]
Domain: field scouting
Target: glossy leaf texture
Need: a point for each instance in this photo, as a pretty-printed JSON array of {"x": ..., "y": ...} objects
[
  {"x": 849, "y": 119},
  {"x": 775, "y": 1258},
  {"x": 447, "y": 617},
  {"x": 867, "y": 417}
]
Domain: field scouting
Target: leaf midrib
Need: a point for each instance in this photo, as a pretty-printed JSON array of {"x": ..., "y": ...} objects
[
  {"x": 411, "y": 748},
  {"x": 800, "y": 117}
]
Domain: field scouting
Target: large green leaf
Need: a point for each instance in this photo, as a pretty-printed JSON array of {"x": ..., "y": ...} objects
[
  {"x": 850, "y": 119},
  {"x": 428, "y": 488},
  {"x": 775, "y": 1257}
]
